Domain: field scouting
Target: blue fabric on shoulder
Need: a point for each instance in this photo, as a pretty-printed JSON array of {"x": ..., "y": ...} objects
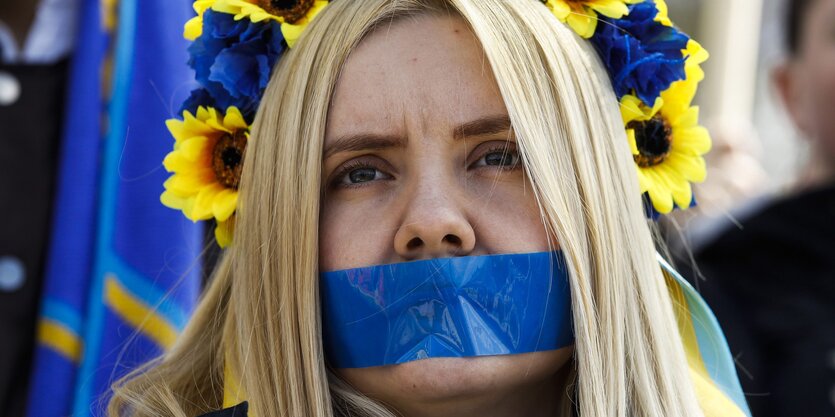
[{"x": 713, "y": 369}]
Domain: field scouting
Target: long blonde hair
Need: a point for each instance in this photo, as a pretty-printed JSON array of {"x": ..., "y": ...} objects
[{"x": 260, "y": 315}]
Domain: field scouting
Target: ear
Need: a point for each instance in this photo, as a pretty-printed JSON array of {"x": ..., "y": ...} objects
[{"x": 786, "y": 81}]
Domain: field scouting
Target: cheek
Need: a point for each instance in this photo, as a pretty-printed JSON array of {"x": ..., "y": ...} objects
[
  {"x": 354, "y": 233},
  {"x": 508, "y": 219}
]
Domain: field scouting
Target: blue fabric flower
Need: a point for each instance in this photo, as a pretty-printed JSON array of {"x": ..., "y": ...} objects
[
  {"x": 642, "y": 55},
  {"x": 233, "y": 61},
  {"x": 197, "y": 98}
]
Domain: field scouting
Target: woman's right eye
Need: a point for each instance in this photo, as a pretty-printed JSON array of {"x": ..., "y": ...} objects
[
  {"x": 362, "y": 175},
  {"x": 359, "y": 174}
]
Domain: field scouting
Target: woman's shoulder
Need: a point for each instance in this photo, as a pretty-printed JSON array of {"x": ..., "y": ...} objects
[{"x": 239, "y": 410}]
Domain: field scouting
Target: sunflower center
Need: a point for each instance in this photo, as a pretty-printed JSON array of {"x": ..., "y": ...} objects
[
  {"x": 227, "y": 157},
  {"x": 653, "y": 140},
  {"x": 290, "y": 10}
]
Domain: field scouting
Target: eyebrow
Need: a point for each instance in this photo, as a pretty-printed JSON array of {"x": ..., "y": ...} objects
[
  {"x": 363, "y": 142},
  {"x": 489, "y": 125},
  {"x": 368, "y": 141}
]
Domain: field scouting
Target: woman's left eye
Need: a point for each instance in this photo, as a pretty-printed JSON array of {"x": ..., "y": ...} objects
[{"x": 502, "y": 158}]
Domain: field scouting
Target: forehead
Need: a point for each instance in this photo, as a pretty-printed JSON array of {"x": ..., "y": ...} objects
[{"x": 417, "y": 73}]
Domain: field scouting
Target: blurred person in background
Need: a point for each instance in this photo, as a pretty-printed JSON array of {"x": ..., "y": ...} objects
[
  {"x": 36, "y": 40},
  {"x": 771, "y": 280}
]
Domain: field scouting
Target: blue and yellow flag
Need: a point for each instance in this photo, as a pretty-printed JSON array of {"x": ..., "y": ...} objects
[
  {"x": 122, "y": 276},
  {"x": 712, "y": 368}
]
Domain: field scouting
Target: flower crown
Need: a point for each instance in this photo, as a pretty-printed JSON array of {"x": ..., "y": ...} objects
[{"x": 654, "y": 69}]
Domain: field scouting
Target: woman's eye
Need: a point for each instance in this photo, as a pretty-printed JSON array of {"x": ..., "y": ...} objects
[
  {"x": 360, "y": 175},
  {"x": 502, "y": 158}
]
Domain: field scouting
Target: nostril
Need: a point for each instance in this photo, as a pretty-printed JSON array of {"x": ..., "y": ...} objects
[
  {"x": 452, "y": 240},
  {"x": 414, "y": 243}
]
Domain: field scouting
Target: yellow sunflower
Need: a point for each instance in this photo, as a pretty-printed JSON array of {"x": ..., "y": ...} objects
[
  {"x": 662, "y": 17},
  {"x": 293, "y": 19},
  {"x": 206, "y": 162},
  {"x": 667, "y": 142},
  {"x": 581, "y": 15}
]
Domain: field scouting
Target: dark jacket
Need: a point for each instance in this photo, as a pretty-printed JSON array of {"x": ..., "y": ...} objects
[{"x": 771, "y": 283}]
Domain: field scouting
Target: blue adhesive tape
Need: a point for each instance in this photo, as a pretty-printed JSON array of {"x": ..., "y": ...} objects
[{"x": 446, "y": 307}]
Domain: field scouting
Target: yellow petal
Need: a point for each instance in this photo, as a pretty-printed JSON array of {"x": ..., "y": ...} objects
[
  {"x": 630, "y": 109},
  {"x": 317, "y": 7},
  {"x": 200, "y": 6},
  {"x": 583, "y": 23},
  {"x": 234, "y": 120},
  {"x": 259, "y": 16},
  {"x": 175, "y": 161},
  {"x": 171, "y": 200},
  {"x": 609, "y": 8},
  {"x": 224, "y": 232},
  {"x": 687, "y": 118},
  {"x": 663, "y": 15},
  {"x": 224, "y": 204},
  {"x": 197, "y": 148},
  {"x": 186, "y": 185},
  {"x": 177, "y": 128},
  {"x": 690, "y": 167},
  {"x": 679, "y": 187},
  {"x": 659, "y": 194},
  {"x": 560, "y": 8},
  {"x": 196, "y": 125},
  {"x": 291, "y": 33},
  {"x": 203, "y": 114},
  {"x": 656, "y": 107},
  {"x": 691, "y": 140},
  {"x": 633, "y": 144},
  {"x": 204, "y": 201},
  {"x": 696, "y": 53},
  {"x": 193, "y": 28}
]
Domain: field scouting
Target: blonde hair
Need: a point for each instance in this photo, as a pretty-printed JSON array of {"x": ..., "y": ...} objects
[{"x": 260, "y": 315}]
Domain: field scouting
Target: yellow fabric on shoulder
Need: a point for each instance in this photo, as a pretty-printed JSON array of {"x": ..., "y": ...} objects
[
  {"x": 712, "y": 400},
  {"x": 232, "y": 394}
]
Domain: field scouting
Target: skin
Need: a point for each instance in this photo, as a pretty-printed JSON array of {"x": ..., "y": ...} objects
[
  {"x": 400, "y": 184},
  {"x": 18, "y": 15},
  {"x": 806, "y": 83}
]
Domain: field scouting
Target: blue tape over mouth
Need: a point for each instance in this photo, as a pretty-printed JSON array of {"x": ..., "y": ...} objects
[{"x": 446, "y": 307}]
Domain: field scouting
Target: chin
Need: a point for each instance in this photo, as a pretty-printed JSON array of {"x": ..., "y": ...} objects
[{"x": 438, "y": 380}]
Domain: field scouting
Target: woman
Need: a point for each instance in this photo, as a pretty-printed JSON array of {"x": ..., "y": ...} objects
[{"x": 410, "y": 130}]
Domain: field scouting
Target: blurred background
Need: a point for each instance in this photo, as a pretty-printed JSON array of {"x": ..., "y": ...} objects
[{"x": 96, "y": 276}]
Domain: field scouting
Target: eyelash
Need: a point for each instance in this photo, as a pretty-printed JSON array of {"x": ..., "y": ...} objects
[
  {"x": 504, "y": 149},
  {"x": 360, "y": 164},
  {"x": 351, "y": 166}
]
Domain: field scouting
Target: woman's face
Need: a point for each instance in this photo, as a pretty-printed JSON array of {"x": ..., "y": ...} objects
[{"x": 420, "y": 162}]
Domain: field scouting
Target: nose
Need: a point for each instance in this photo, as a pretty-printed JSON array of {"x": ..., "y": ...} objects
[{"x": 435, "y": 225}]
